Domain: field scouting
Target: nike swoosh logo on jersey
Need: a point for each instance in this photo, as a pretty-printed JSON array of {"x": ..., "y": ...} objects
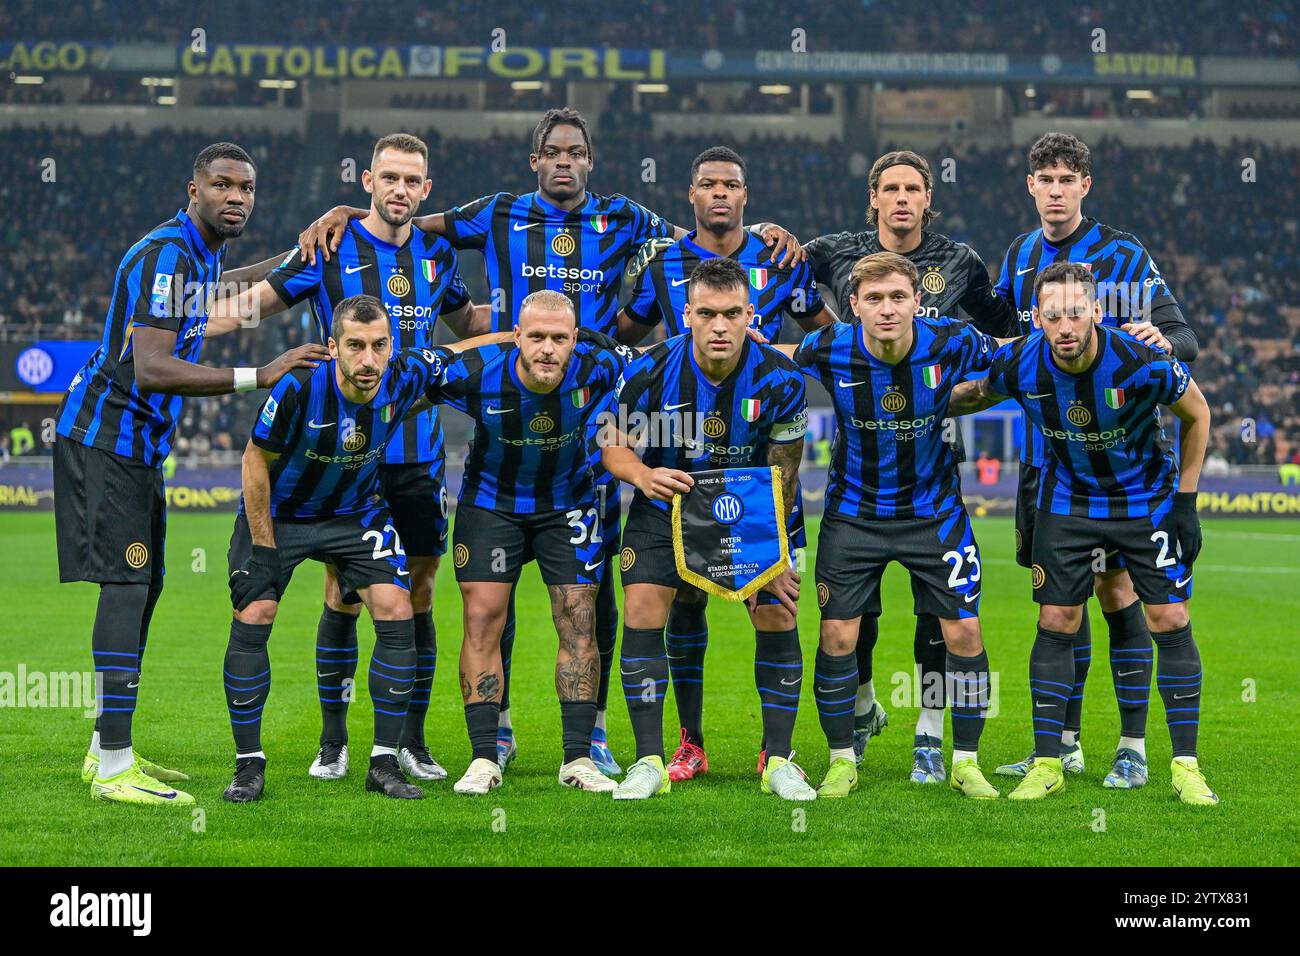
[
  {"x": 319, "y": 424},
  {"x": 1182, "y": 583},
  {"x": 677, "y": 282},
  {"x": 1020, "y": 272},
  {"x": 527, "y": 225},
  {"x": 1127, "y": 673},
  {"x": 402, "y": 574},
  {"x": 791, "y": 683},
  {"x": 971, "y": 597},
  {"x": 1034, "y": 398},
  {"x": 498, "y": 411},
  {"x": 350, "y": 269},
  {"x": 843, "y": 384},
  {"x": 936, "y": 643},
  {"x": 593, "y": 567},
  {"x": 673, "y": 408},
  {"x": 241, "y": 703}
]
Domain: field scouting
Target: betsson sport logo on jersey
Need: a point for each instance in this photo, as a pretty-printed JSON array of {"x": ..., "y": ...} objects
[{"x": 575, "y": 280}]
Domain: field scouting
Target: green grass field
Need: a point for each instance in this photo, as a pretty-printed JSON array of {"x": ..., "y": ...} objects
[{"x": 1247, "y": 600}]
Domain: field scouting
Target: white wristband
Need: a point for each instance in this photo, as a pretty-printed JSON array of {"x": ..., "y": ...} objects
[{"x": 245, "y": 379}]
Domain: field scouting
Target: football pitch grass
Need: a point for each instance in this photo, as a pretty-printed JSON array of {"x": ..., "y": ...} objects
[{"x": 1247, "y": 600}]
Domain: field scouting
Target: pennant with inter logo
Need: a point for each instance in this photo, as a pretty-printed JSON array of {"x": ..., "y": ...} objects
[
  {"x": 581, "y": 397},
  {"x": 749, "y": 409},
  {"x": 1115, "y": 398},
  {"x": 600, "y": 223},
  {"x": 729, "y": 535},
  {"x": 932, "y": 375},
  {"x": 758, "y": 278},
  {"x": 429, "y": 269}
]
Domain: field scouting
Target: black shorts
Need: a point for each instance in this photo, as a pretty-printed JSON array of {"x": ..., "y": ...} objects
[
  {"x": 1070, "y": 549},
  {"x": 110, "y": 516},
  {"x": 941, "y": 554},
  {"x": 647, "y": 555},
  {"x": 1026, "y": 512},
  {"x": 492, "y": 545},
  {"x": 364, "y": 549},
  {"x": 417, "y": 497}
]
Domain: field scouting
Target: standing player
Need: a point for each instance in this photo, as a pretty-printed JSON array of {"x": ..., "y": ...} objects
[
  {"x": 718, "y": 193},
  {"x": 529, "y": 493},
  {"x": 115, "y": 429},
  {"x": 414, "y": 274},
  {"x": 893, "y": 495},
  {"x": 563, "y": 238},
  {"x": 312, "y": 490},
  {"x": 1111, "y": 484},
  {"x": 1135, "y": 298},
  {"x": 953, "y": 282},
  {"x": 750, "y": 402}
]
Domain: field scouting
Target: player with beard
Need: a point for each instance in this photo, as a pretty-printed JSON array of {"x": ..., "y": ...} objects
[
  {"x": 718, "y": 193},
  {"x": 1111, "y": 484},
  {"x": 529, "y": 493},
  {"x": 1135, "y": 298},
  {"x": 414, "y": 274},
  {"x": 115, "y": 429},
  {"x": 564, "y": 238},
  {"x": 955, "y": 283}
]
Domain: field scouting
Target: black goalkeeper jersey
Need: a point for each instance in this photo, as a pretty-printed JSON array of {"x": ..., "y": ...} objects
[{"x": 954, "y": 281}]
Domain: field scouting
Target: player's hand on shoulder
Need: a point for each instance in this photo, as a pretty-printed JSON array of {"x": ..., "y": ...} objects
[
  {"x": 645, "y": 255},
  {"x": 754, "y": 333},
  {"x": 662, "y": 483},
  {"x": 302, "y": 356},
  {"x": 1147, "y": 334},
  {"x": 785, "y": 249},
  {"x": 324, "y": 235}
]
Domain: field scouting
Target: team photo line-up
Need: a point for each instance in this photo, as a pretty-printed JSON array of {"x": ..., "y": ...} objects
[{"x": 345, "y": 464}]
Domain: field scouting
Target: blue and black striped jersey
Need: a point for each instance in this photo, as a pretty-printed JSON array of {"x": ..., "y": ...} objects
[
  {"x": 164, "y": 281},
  {"x": 330, "y": 448},
  {"x": 889, "y": 458},
  {"x": 693, "y": 425},
  {"x": 660, "y": 291},
  {"x": 417, "y": 281},
  {"x": 532, "y": 451},
  {"x": 1109, "y": 457},
  {"x": 1129, "y": 285},
  {"x": 530, "y": 244}
]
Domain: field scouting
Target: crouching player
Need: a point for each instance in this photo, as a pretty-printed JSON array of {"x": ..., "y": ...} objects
[
  {"x": 750, "y": 401},
  {"x": 311, "y": 490},
  {"x": 893, "y": 495},
  {"x": 1112, "y": 486}
]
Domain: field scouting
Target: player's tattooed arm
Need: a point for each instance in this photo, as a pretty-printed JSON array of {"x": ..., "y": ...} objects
[
  {"x": 811, "y": 323},
  {"x": 469, "y": 320},
  {"x": 973, "y": 396},
  {"x": 238, "y": 305},
  {"x": 1193, "y": 435},
  {"x": 158, "y": 369},
  {"x": 787, "y": 456},
  {"x": 256, "y": 480},
  {"x": 577, "y": 665}
]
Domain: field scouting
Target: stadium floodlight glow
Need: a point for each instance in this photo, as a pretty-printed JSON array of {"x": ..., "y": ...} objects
[
  {"x": 166, "y": 101},
  {"x": 776, "y": 89},
  {"x": 277, "y": 84},
  {"x": 27, "y": 80},
  {"x": 157, "y": 81},
  {"x": 1141, "y": 94},
  {"x": 652, "y": 87},
  {"x": 526, "y": 85}
]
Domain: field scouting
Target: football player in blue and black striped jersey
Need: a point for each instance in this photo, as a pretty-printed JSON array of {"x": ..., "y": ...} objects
[
  {"x": 893, "y": 495},
  {"x": 751, "y": 406},
  {"x": 1111, "y": 485},
  {"x": 529, "y": 492},
  {"x": 567, "y": 239},
  {"x": 414, "y": 273},
  {"x": 1134, "y": 297},
  {"x": 115, "y": 429}
]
